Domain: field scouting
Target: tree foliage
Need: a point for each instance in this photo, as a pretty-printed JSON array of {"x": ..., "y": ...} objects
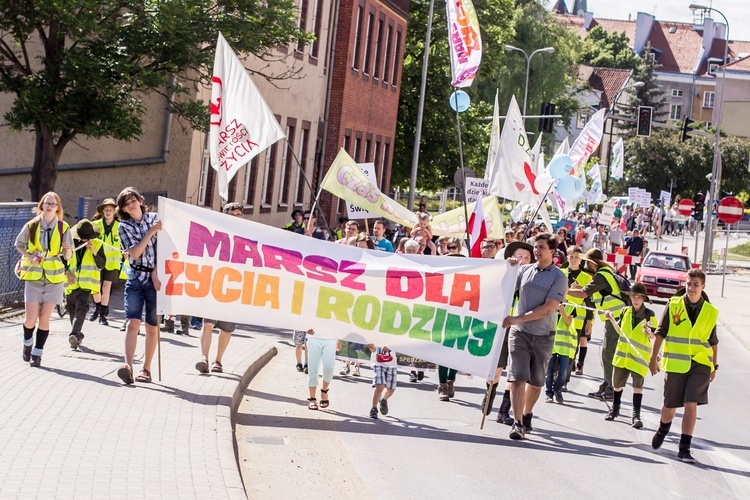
[
  {"x": 80, "y": 67},
  {"x": 608, "y": 50},
  {"x": 651, "y": 94}
]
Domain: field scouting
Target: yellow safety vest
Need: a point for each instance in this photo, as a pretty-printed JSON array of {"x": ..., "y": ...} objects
[
  {"x": 633, "y": 351},
  {"x": 87, "y": 275},
  {"x": 582, "y": 279},
  {"x": 112, "y": 247},
  {"x": 566, "y": 337},
  {"x": 611, "y": 302},
  {"x": 51, "y": 266},
  {"x": 686, "y": 342}
]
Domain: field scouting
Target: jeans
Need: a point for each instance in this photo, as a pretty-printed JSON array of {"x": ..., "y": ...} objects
[
  {"x": 557, "y": 364},
  {"x": 138, "y": 295},
  {"x": 77, "y": 304}
]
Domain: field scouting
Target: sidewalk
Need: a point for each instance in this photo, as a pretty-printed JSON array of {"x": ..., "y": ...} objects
[{"x": 72, "y": 430}]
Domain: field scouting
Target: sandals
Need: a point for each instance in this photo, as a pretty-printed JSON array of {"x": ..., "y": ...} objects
[
  {"x": 144, "y": 376},
  {"x": 324, "y": 402},
  {"x": 202, "y": 365},
  {"x": 313, "y": 404},
  {"x": 126, "y": 375},
  {"x": 217, "y": 368}
]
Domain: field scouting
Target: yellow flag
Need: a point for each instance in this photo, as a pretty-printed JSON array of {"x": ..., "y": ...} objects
[{"x": 453, "y": 222}]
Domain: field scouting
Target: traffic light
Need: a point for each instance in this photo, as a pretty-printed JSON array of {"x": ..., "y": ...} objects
[
  {"x": 699, "y": 204},
  {"x": 645, "y": 114},
  {"x": 547, "y": 124},
  {"x": 685, "y": 130}
]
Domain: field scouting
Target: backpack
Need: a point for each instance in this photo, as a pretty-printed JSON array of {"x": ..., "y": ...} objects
[{"x": 623, "y": 283}]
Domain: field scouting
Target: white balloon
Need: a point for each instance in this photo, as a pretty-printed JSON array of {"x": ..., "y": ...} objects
[{"x": 543, "y": 182}]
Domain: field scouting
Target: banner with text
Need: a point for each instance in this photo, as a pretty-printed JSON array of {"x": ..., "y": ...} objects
[
  {"x": 453, "y": 222},
  {"x": 352, "y": 210},
  {"x": 441, "y": 309}
]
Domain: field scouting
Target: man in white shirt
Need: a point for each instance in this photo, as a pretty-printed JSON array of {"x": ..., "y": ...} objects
[
  {"x": 590, "y": 233},
  {"x": 615, "y": 237}
]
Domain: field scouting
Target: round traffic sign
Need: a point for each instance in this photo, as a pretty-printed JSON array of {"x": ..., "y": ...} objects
[
  {"x": 686, "y": 207},
  {"x": 730, "y": 210}
]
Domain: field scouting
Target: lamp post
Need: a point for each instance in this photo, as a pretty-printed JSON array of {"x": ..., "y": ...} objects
[
  {"x": 714, "y": 192},
  {"x": 634, "y": 85},
  {"x": 528, "y": 67}
]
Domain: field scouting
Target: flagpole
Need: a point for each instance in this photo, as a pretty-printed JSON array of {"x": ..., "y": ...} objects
[
  {"x": 461, "y": 163},
  {"x": 309, "y": 185},
  {"x": 533, "y": 217}
]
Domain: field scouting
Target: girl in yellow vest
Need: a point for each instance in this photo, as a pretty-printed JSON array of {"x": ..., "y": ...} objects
[
  {"x": 43, "y": 242},
  {"x": 108, "y": 224},
  {"x": 83, "y": 272},
  {"x": 633, "y": 352}
]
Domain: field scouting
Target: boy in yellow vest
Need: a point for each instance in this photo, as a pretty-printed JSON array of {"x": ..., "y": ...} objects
[
  {"x": 633, "y": 352},
  {"x": 688, "y": 333},
  {"x": 563, "y": 351},
  {"x": 83, "y": 271}
]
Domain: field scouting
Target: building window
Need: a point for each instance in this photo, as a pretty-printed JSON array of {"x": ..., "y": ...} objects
[
  {"x": 368, "y": 145},
  {"x": 713, "y": 68},
  {"x": 301, "y": 23},
  {"x": 302, "y": 171},
  {"x": 368, "y": 43},
  {"x": 357, "y": 142},
  {"x": 387, "y": 65},
  {"x": 675, "y": 112},
  {"x": 203, "y": 183},
  {"x": 386, "y": 152},
  {"x": 396, "y": 51},
  {"x": 376, "y": 161},
  {"x": 348, "y": 142},
  {"x": 582, "y": 120},
  {"x": 287, "y": 166},
  {"x": 269, "y": 172},
  {"x": 315, "y": 48},
  {"x": 708, "y": 99},
  {"x": 357, "y": 38},
  {"x": 676, "y": 93},
  {"x": 378, "y": 49},
  {"x": 251, "y": 180}
]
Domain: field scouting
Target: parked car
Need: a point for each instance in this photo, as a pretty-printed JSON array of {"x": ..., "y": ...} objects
[{"x": 663, "y": 273}]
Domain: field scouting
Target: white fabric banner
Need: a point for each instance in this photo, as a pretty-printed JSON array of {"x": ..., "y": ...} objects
[
  {"x": 618, "y": 160},
  {"x": 242, "y": 124},
  {"x": 464, "y": 40},
  {"x": 513, "y": 174},
  {"x": 589, "y": 139},
  {"x": 439, "y": 309},
  {"x": 494, "y": 146}
]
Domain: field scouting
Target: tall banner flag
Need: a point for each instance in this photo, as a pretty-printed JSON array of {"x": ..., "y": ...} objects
[
  {"x": 595, "y": 194},
  {"x": 477, "y": 229},
  {"x": 347, "y": 181},
  {"x": 242, "y": 124},
  {"x": 588, "y": 140},
  {"x": 514, "y": 172},
  {"x": 618, "y": 160},
  {"x": 492, "y": 151},
  {"x": 437, "y": 308},
  {"x": 465, "y": 41}
]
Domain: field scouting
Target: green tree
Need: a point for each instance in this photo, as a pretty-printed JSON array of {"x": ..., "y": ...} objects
[
  {"x": 609, "y": 50},
  {"x": 79, "y": 67}
]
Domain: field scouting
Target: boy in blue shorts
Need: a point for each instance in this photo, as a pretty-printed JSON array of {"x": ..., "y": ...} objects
[{"x": 385, "y": 371}]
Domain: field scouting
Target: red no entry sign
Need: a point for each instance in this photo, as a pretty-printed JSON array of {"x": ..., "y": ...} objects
[
  {"x": 730, "y": 210},
  {"x": 685, "y": 207}
]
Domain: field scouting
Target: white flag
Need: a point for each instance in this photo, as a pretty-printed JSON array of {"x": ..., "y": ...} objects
[
  {"x": 513, "y": 174},
  {"x": 595, "y": 193},
  {"x": 494, "y": 141},
  {"x": 618, "y": 160},
  {"x": 242, "y": 124},
  {"x": 564, "y": 147},
  {"x": 589, "y": 139}
]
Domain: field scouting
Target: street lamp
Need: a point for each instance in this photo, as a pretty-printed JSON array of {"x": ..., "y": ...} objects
[
  {"x": 528, "y": 66},
  {"x": 716, "y": 169},
  {"x": 634, "y": 85}
]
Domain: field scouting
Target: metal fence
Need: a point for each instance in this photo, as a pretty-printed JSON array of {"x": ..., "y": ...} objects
[
  {"x": 12, "y": 218},
  {"x": 87, "y": 204}
]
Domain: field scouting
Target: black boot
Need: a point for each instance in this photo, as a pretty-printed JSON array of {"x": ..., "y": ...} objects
[
  {"x": 613, "y": 413},
  {"x": 95, "y": 314},
  {"x": 492, "y": 399},
  {"x": 503, "y": 417}
]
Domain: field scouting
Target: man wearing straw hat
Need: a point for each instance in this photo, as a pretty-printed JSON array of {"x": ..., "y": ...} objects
[{"x": 605, "y": 293}]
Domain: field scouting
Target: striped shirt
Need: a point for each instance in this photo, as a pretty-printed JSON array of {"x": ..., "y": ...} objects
[{"x": 131, "y": 233}]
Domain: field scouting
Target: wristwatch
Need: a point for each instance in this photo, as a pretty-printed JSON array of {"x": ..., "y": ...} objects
[{"x": 716, "y": 367}]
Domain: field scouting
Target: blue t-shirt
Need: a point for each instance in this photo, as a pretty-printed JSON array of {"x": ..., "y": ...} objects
[{"x": 383, "y": 245}]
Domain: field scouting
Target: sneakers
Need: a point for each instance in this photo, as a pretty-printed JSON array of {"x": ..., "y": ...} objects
[
  {"x": 579, "y": 369},
  {"x": 549, "y": 399},
  {"x": 602, "y": 395},
  {"x": 564, "y": 388},
  {"x": 685, "y": 456},
  {"x": 527, "y": 422},
  {"x": 94, "y": 314},
  {"x": 384, "y": 406},
  {"x": 443, "y": 392},
  {"x": 298, "y": 366},
  {"x": 517, "y": 431},
  {"x": 413, "y": 377},
  {"x": 36, "y": 361},
  {"x": 356, "y": 371},
  {"x": 612, "y": 414},
  {"x": 123, "y": 327},
  {"x": 637, "y": 424},
  {"x": 103, "y": 321},
  {"x": 559, "y": 398},
  {"x": 374, "y": 413},
  {"x": 343, "y": 372},
  {"x": 27, "y": 353},
  {"x": 420, "y": 376},
  {"x": 305, "y": 369},
  {"x": 658, "y": 439},
  {"x": 73, "y": 340}
]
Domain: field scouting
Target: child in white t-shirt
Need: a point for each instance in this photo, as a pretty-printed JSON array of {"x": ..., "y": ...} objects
[{"x": 385, "y": 370}]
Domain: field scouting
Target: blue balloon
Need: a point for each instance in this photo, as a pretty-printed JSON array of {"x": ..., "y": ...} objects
[
  {"x": 569, "y": 188},
  {"x": 560, "y": 166},
  {"x": 460, "y": 100}
]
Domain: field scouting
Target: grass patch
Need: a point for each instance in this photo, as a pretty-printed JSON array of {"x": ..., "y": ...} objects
[{"x": 743, "y": 250}]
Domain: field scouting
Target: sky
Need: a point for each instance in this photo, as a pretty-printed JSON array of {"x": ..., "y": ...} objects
[{"x": 736, "y": 11}]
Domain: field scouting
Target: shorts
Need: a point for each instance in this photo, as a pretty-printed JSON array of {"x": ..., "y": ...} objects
[
  {"x": 620, "y": 378},
  {"x": 384, "y": 375},
  {"x": 502, "y": 361},
  {"x": 529, "y": 355},
  {"x": 299, "y": 337},
  {"x": 690, "y": 387},
  {"x": 111, "y": 276},
  {"x": 137, "y": 296},
  {"x": 42, "y": 291},
  {"x": 582, "y": 333},
  {"x": 224, "y": 326}
]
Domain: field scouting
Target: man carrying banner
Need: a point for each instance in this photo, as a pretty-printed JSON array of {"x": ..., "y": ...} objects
[{"x": 542, "y": 288}]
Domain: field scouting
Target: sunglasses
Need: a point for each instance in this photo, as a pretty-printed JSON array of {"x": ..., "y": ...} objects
[
  {"x": 488, "y": 247},
  {"x": 452, "y": 247}
]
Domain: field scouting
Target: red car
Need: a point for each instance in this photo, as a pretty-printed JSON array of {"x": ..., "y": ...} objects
[{"x": 663, "y": 273}]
